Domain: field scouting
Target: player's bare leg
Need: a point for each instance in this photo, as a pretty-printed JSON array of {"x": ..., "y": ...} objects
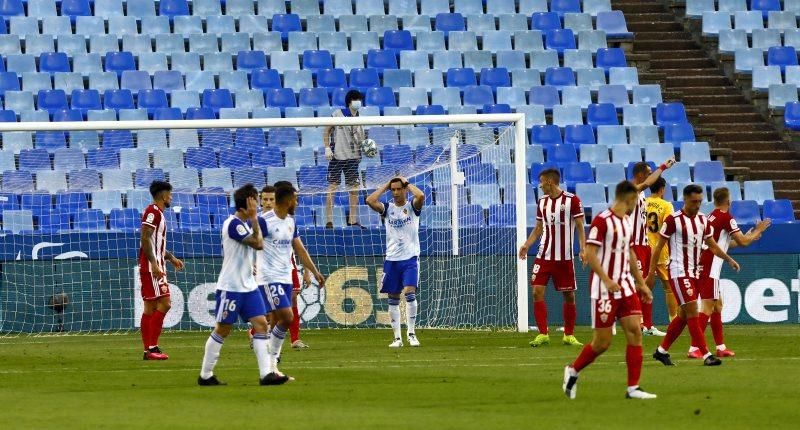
[
  {"x": 332, "y": 188},
  {"x": 540, "y": 314},
  {"x": 570, "y": 314},
  {"x": 294, "y": 329},
  {"x": 152, "y": 323},
  {"x": 283, "y": 319},
  {"x": 687, "y": 317},
  {"x": 353, "y": 200},
  {"x": 394, "y": 316},
  {"x": 411, "y": 315}
]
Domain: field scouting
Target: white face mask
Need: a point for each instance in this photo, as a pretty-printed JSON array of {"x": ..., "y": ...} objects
[{"x": 355, "y": 104}]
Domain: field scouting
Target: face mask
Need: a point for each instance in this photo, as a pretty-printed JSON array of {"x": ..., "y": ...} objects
[{"x": 355, "y": 104}]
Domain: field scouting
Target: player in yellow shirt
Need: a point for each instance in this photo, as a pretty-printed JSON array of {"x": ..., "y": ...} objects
[{"x": 657, "y": 210}]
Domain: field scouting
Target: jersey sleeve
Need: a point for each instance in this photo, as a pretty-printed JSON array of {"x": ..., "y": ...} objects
[
  {"x": 151, "y": 218},
  {"x": 296, "y": 233},
  {"x": 539, "y": 215},
  {"x": 668, "y": 228},
  {"x": 577, "y": 208},
  {"x": 731, "y": 225},
  {"x": 262, "y": 224},
  {"x": 238, "y": 231},
  {"x": 597, "y": 231},
  {"x": 417, "y": 212},
  {"x": 709, "y": 230},
  {"x": 385, "y": 209}
]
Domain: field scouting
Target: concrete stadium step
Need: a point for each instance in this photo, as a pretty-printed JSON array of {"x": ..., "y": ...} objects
[
  {"x": 767, "y": 165},
  {"x": 645, "y": 26},
  {"x": 713, "y": 110},
  {"x": 681, "y": 63},
  {"x": 764, "y": 155},
  {"x": 646, "y": 17},
  {"x": 715, "y": 100},
  {"x": 664, "y": 35},
  {"x": 678, "y": 53},
  {"x": 775, "y": 174},
  {"x": 663, "y": 45},
  {"x": 639, "y": 8},
  {"x": 737, "y": 145},
  {"x": 697, "y": 81},
  {"x": 709, "y": 91},
  {"x": 747, "y": 136}
]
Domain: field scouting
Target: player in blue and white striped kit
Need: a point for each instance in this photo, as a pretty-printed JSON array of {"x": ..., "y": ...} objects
[
  {"x": 401, "y": 268},
  {"x": 237, "y": 292},
  {"x": 275, "y": 264}
]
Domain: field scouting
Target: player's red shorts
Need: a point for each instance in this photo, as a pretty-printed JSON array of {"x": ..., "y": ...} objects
[
  {"x": 605, "y": 312},
  {"x": 643, "y": 255},
  {"x": 295, "y": 280},
  {"x": 152, "y": 288},
  {"x": 709, "y": 288},
  {"x": 562, "y": 272},
  {"x": 685, "y": 289}
]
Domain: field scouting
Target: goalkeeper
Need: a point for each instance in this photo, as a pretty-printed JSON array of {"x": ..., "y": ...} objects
[{"x": 344, "y": 155}]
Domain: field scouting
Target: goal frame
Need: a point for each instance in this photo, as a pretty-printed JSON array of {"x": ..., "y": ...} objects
[{"x": 516, "y": 120}]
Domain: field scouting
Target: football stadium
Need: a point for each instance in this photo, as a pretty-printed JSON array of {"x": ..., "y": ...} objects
[{"x": 435, "y": 214}]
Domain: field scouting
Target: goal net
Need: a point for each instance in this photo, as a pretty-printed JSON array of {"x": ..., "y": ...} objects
[{"x": 73, "y": 193}]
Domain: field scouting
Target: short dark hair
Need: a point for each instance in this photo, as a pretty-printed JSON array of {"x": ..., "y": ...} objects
[
  {"x": 282, "y": 184},
  {"x": 156, "y": 187},
  {"x": 241, "y": 195},
  {"x": 623, "y": 188},
  {"x": 658, "y": 185},
  {"x": 721, "y": 195},
  {"x": 640, "y": 167},
  {"x": 397, "y": 179},
  {"x": 692, "y": 189},
  {"x": 352, "y": 95},
  {"x": 553, "y": 174},
  {"x": 283, "y": 192},
  {"x": 268, "y": 189}
]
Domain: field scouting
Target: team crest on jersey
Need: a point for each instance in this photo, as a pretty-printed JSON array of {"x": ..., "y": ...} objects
[
  {"x": 241, "y": 229},
  {"x": 276, "y": 301},
  {"x": 150, "y": 217},
  {"x": 405, "y": 211},
  {"x": 689, "y": 291},
  {"x": 604, "y": 317},
  {"x": 164, "y": 289},
  {"x": 224, "y": 314}
]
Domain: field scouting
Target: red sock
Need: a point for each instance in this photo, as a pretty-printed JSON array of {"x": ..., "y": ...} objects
[
  {"x": 540, "y": 313},
  {"x": 703, "y": 321},
  {"x": 633, "y": 356},
  {"x": 145, "y": 328},
  {"x": 674, "y": 330},
  {"x": 156, "y": 324},
  {"x": 697, "y": 334},
  {"x": 294, "y": 327},
  {"x": 585, "y": 358},
  {"x": 570, "y": 313},
  {"x": 647, "y": 315},
  {"x": 716, "y": 328}
]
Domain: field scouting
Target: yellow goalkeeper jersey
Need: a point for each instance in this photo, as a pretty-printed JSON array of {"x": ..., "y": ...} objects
[{"x": 657, "y": 210}]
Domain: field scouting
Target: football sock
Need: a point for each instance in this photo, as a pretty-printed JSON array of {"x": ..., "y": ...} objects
[
  {"x": 294, "y": 327},
  {"x": 262, "y": 354},
  {"x": 540, "y": 312},
  {"x": 716, "y": 329},
  {"x": 156, "y": 325},
  {"x": 394, "y": 314},
  {"x": 276, "y": 343},
  {"x": 697, "y": 335},
  {"x": 647, "y": 315},
  {"x": 702, "y": 320},
  {"x": 633, "y": 357},
  {"x": 674, "y": 330},
  {"x": 569, "y": 318},
  {"x": 145, "y": 328},
  {"x": 411, "y": 312},
  {"x": 213, "y": 347},
  {"x": 585, "y": 358}
]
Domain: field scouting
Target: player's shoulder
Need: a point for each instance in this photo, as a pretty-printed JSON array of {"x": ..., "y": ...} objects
[
  {"x": 569, "y": 195},
  {"x": 270, "y": 215},
  {"x": 675, "y": 214}
]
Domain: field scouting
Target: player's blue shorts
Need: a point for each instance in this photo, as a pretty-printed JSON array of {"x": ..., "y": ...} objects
[
  {"x": 231, "y": 306},
  {"x": 276, "y": 296},
  {"x": 399, "y": 274}
]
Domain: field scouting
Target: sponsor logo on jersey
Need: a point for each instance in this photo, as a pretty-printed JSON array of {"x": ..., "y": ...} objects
[{"x": 150, "y": 217}]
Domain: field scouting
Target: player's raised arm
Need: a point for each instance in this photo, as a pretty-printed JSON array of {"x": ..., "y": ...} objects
[
  {"x": 418, "y": 196},
  {"x": 753, "y": 235},
  {"x": 717, "y": 251},
  {"x": 655, "y": 175},
  {"x": 255, "y": 240},
  {"x": 374, "y": 199},
  {"x": 305, "y": 259}
]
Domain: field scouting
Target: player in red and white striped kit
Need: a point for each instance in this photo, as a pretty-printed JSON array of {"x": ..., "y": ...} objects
[
  {"x": 615, "y": 281},
  {"x": 643, "y": 178},
  {"x": 153, "y": 256},
  {"x": 686, "y": 231},
  {"x": 558, "y": 215},
  {"x": 726, "y": 233}
]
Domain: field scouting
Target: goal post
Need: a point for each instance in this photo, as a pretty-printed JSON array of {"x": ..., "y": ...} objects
[{"x": 75, "y": 279}]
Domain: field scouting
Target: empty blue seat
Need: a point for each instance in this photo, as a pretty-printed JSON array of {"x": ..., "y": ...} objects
[
  {"x": 765, "y": 6},
  {"x": 502, "y": 215},
  {"x": 364, "y": 78},
  {"x": 561, "y": 154},
  {"x": 34, "y": 159},
  {"x": 678, "y": 133},
  {"x": 118, "y": 99},
  {"x": 546, "y": 135},
  {"x": 478, "y": 95},
  {"x": 51, "y": 100},
  {"x": 285, "y": 23},
  {"x": 559, "y": 76},
  {"x": 117, "y": 139},
  {"x": 447, "y": 22},
  {"x": 217, "y": 99},
  {"x": 152, "y": 100},
  {"x": 317, "y": 59},
  {"x": 610, "y": 57},
  {"x": 263, "y": 79},
  {"x": 380, "y": 97},
  {"x": 50, "y": 140},
  {"x": 90, "y": 220},
  {"x": 745, "y": 211},
  {"x": 172, "y": 8},
  {"x": 594, "y": 153},
  {"x": 713, "y": 22},
  {"x": 12, "y": 8},
  {"x": 601, "y": 114},
  {"x": 125, "y": 219},
  {"x": 546, "y": 96},
  {"x": 51, "y": 62},
  {"x": 692, "y": 152},
  {"x": 709, "y": 171},
  {"x": 544, "y": 21},
  {"x": 135, "y": 80},
  {"x": 251, "y": 60},
  {"x": 9, "y": 81},
  {"x": 579, "y": 134},
  {"x": 398, "y": 40},
  {"x": 759, "y": 191},
  {"x": 565, "y": 6},
  {"x": 460, "y": 77},
  {"x": 38, "y": 202},
  {"x": 280, "y": 97},
  {"x": 792, "y": 116},
  {"x": 782, "y": 56},
  {"x": 119, "y": 62},
  {"x": 61, "y": 115},
  {"x": 71, "y": 201},
  {"x": 670, "y": 113},
  {"x": 381, "y": 59},
  {"x": 559, "y": 40},
  {"x": 577, "y": 172},
  {"x": 779, "y": 211}
]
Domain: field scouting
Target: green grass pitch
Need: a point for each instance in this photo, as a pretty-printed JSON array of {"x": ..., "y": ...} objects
[{"x": 349, "y": 379}]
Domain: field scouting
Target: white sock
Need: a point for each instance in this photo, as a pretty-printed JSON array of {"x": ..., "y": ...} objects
[
  {"x": 632, "y": 389},
  {"x": 572, "y": 371},
  {"x": 262, "y": 354},
  {"x": 394, "y": 314},
  {"x": 708, "y": 354},
  {"x": 662, "y": 350},
  {"x": 721, "y": 347},
  {"x": 213, "y": 347},
  {"x": 275, "y": 345},
  {"x": 411, "y": 312},
  {"x": 693, "y": 348}
]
